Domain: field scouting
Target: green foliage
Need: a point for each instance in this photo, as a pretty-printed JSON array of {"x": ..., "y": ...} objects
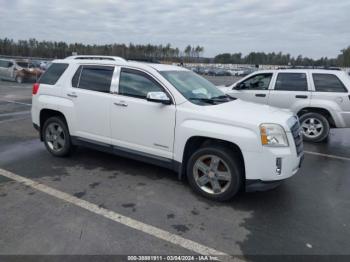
[
  {"x": 262, "y": 58},
  {"x": 49, "y": 49}
]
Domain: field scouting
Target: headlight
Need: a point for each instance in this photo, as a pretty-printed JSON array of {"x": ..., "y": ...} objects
[{"x": 273, "y": 135}]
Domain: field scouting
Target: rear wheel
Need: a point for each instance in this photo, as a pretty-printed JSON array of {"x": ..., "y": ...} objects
[
  {"x": 315, "y": 127},
  {"x": 214, "y": 172},
  {"x": 56, "y": 137},
  {"x": 19, "y": 79}
]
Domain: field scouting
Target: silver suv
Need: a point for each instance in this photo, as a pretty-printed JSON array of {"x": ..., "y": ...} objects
[
  {"x": 320, "y": 98},
  {"x": 18, "y": 70}
]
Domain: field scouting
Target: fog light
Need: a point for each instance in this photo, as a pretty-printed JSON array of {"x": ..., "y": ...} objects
[{"x": 278, "y": 166}]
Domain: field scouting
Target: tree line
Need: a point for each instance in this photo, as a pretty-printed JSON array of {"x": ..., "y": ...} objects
[
  {"x": 52, "y": 49},
  {"x": 261, "y": 58}
]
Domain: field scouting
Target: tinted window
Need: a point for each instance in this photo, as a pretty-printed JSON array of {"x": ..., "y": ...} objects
[
  {"x": 96, "y": 78},
  {"x": 75, "y": 79},
  {"x": 23, "y": 64},
  {"x": 257, "y": 82},
  {"x": 291, "y": 82},
  {"x": 53, "y": 73},
  {"x": 328, "y": 83},
  {"x": 137, "y": 84},
  {"x": 4, "y": 63}
]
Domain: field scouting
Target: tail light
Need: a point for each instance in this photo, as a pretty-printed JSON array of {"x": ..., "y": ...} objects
[{"x": 35, "y": 88}]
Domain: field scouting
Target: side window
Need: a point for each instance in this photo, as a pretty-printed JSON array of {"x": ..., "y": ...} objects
[
  {"x": 75, "y": 79},
  {"x": 4, "y": 64},
  {"x": 291, "y": 82},
  {"x": 328, "y": 83},
  {"x": 53, "y": 73},
  {"x": 136, "y": 84},
  {"x": 257, "y": 82},
  {"x": 96, "y": 78}
]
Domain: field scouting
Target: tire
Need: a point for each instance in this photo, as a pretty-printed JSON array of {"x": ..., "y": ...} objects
[
  {"x": 204, "y": 182},
  {"x": 315, "y": 127},
  {"x": 56, "y": 137},
  {"x": 19, "y": 79}
]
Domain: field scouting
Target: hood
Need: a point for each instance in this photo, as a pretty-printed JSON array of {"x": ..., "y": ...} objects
[{"x": 250, "y": 114}]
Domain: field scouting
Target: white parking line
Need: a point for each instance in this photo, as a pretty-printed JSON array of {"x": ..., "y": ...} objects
[
  {"x": 13, "y": 120},
  {"x": 327, "y": 155},
  {"x": 124, "y": 220},
  {"x": 15, "y": 102},
  {"x": 15, "y": 113}
]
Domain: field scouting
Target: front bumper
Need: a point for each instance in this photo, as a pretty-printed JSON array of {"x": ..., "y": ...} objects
[
  {"x": 273, "y": 163},
  {"x": 252, "y": 185},
  {"x": 258, "y": 185}
]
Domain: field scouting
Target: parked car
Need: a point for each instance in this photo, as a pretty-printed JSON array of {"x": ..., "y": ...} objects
[
  {"x": 169, "y": 116},
  {"x": 18, "y": 70},
  {"x": 319, "y": 97}
]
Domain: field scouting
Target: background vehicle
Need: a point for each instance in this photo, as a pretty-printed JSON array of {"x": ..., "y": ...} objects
[
  {"x": 169, "y": 116},
  {"x": 19, "y": 70},
  {"x": 319, "y": 97}
]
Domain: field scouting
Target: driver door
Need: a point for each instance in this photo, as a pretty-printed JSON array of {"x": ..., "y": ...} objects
[
  {"x": 253, "y": 89},
  {"x": 139, "y": 125}
]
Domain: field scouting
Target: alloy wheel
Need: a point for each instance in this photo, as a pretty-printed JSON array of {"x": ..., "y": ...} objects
[
  {"x": 55, "y": 137},
  {"x": 212, "y": 174},
  {"x": 312, "y": 127}
]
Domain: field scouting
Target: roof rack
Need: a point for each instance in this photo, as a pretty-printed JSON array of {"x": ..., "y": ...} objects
[
  {"x": 309, "y": 67},
  {"x": 95, "y": 57},
  {"x": 145, "y": 60}
]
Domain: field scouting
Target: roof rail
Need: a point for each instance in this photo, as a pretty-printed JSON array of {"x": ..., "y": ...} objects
[
  {"x": 95, "y": 57},
  {"x": 310, "y": 67}
]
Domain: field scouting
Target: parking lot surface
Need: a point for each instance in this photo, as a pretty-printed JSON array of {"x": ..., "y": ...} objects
[{"x": 308, "y": 214}]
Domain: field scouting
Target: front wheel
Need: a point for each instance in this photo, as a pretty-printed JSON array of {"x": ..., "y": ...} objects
[
  {"x": 315, "y": 127},
  {"x": 214, "y": 172},
  {"x": 56, "y": 137}
]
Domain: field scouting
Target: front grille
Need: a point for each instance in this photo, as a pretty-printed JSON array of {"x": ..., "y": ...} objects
[{"x": 298, "y": 138}]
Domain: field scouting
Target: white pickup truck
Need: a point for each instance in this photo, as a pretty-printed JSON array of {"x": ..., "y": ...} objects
[
  {"x": 169, "y": 116},
  {"x": 320, "y": 98}
]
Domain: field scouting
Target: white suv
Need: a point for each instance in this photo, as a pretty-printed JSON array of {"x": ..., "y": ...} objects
[
  {"x": 169, "y": 116},
  {"x": 320, "y": 98}
]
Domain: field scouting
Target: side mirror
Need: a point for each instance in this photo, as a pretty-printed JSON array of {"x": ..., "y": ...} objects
[
  {"x": 158, "y": 97},
  {"x": 239, "y": 86}
]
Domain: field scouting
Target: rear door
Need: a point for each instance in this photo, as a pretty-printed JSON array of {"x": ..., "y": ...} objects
[
  {"x": 3, "y": 65},
  {"x": 332, "y": 87},
  {"x": 254, "y": 88},
  {"x": 291, "y": 90},
  {"x": 90, "y": 94},
  {"x": 6, "y": 69}
]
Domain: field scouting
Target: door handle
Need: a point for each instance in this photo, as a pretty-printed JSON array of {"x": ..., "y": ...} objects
[
  {"x": 260, "y": 95},
  {"x": 72, "y": 95},
  {"x": 122, "y": 103},
  {"x": 301, "y": 96}
]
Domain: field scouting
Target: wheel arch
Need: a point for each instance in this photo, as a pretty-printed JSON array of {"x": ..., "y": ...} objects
[
  {"x": 46, "y": 114},
  {"x": 325, "y": 112},
  {"x": 196, "y": 142}
]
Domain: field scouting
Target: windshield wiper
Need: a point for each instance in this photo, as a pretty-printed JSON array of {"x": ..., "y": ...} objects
[
  {"x": 223, "y": 98},
  {"x": 204, "y": 100}
]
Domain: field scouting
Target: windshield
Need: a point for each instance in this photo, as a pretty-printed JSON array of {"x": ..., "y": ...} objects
[{"x": 195, "y": 88}]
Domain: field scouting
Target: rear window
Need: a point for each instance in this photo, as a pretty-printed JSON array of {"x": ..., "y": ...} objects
[
  {"x": 53, "y": 73},
  {"x": 95, "y": 78},
  {"x": 328, "y": 83},
  {"x": 291, "y": 82}
]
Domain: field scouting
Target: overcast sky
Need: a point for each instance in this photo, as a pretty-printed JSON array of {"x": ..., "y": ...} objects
[{"x": 312, "y": 28}]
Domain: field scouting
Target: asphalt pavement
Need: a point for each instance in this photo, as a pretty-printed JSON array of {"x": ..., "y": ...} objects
[{"x": 309, "y": 214}]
